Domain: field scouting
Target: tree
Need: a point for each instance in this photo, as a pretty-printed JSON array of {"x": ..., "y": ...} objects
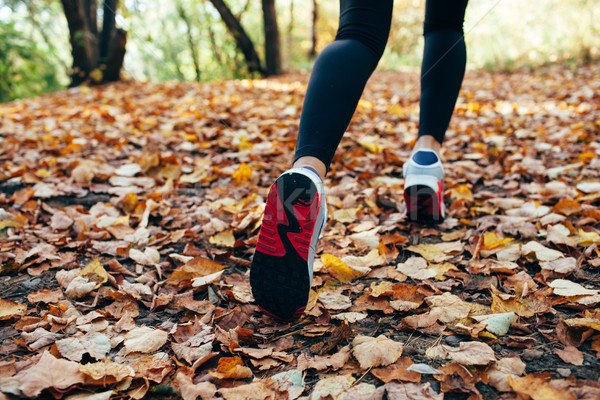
[
  {"x": 190, "y": 37},
  {"x": 97, "y": 55},
  {"x": 272, "y": 42},
  {"x": 312, "y": 52},
  {"x": 242, "y": 40}
]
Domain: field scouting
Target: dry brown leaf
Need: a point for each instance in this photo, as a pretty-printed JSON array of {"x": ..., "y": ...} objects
[
  {"x": 538, "y": 387},
  {"x": 467, "y": 353},
  {"x": 397, "y": 371},
  {"x": 416, "y": 268},
  {"x": 412, "y": 391},
  {"x": 448, "y": 307},
  {"x": 144, "y": 340},
  {"x": 49, "y": 372},
  {"x": 191, "y": 391},
  {"x": 73, "y": 348},
  {"x": 320, "y": 363},
  {"x": 374, "y": 352},
  {"x": 570, "y": 354},
  {"x": 107, "y": 371},
  {"x": 258, "y": 390},
  {"x": 502, "y": 369},
  {"x": 10, "y": 309},
  {"x": 231, "y": 368}
]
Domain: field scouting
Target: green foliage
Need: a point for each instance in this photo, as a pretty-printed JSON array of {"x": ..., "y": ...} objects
[{"x": 25, "y": 70}]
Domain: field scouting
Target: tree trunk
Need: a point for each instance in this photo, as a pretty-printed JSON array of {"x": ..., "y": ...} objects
[
  {"x": 312, "y": 53},
  {"x": 242, "y": 40},
  {"x": 97, "y": 56},
  {"x": 272, "y": 42},
  {"x": 190, "y": 38}
]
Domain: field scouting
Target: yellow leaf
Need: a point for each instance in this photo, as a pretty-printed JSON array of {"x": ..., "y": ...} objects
[
  {"x": 345, "y": 215},
  {"x": 231, "y": 368},
  {"x": 587, "y": 238},
  {"x": 242, "y": 173},
  {"x": 371, "y": 146},
  {"x": 461, "y": 192},
  {"x": 95, "y": 273},
  {"x": 96, "y": 75},
  {"x": 442, "y": 269},
  {"x": 428, "y": 251},
  {"x": 584, "y": 322},
  {"x": 197, "y": 267},
  {"x": 538, "y": 387},
  {"x": 225, "y": 239},
  {"x": 339, "y": 269},
  {"x": 9, "y": 309},
  {"x": 511, "y": 305},
  {"x": 491, "y": 241}
]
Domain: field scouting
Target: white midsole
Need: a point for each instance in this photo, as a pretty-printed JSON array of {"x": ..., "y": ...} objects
[
  {"x": 421, "y": 180},
  {"x": 321, "y": 216}
]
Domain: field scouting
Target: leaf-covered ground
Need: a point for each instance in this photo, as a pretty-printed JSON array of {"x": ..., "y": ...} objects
[{"x": 129, "y": 214}]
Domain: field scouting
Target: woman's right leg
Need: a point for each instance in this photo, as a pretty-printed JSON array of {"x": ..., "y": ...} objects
[
  {"x": 295, "y": 212},
  {"x": 339, "y": 76}
]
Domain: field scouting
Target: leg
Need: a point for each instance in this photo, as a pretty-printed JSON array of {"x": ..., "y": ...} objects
[
  {"x": 442, "y": 72},
  {"x": 443, "y": 67},
  {"x": 296, "y": 211},
  {"x": 339, "y": 77}
]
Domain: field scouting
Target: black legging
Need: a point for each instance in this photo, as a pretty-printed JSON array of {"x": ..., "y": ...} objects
[{"x": 342, "y": 69}]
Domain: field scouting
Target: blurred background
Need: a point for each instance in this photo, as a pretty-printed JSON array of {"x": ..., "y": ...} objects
[{"x": 47, "y": 45}]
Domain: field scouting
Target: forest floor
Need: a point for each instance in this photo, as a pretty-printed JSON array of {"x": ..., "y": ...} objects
[{"x": 129, "y": 215}]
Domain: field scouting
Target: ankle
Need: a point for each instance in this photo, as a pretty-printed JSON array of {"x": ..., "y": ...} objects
[
  {"x": 312, "y": 163},
  {"x": 427, "y": 142}
]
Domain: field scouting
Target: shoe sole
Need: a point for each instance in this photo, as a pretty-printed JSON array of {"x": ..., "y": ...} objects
[
  {"x": 279, "y": 274},
  {"x": 423, "y": 203}
]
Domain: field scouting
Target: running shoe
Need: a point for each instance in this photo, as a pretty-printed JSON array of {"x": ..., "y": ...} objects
[
  {"x": 282, "y": 267},
  {"x": 424, "y": 187}
]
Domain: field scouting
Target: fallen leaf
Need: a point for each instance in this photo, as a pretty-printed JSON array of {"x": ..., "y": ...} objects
[
  {"x": 332, "y": 387},
  {"x": 397, "y": 371},
  {"x": 49, "y": 372},
  {"x": 73, "y": 348},
  {"x": 502, "y": 369},
  {"x": 291, "y": 381},
  {"x": 334, "y": 301},
  {"x": 95, "y": 396},
  {"x": 467, "y": 353},
  {"x": 542, "y": 253},
  {"x": 412, "y": 391},
  {"x": 94, "y": 272},
  {"x": 198, "y": 267},
  {"x": 320, "y": 363},
  {"x": 416, "y": 268},
  {"x": 498, "y": 324},
  {"x": 563, "y": 287},
  {"x": 367, "y": 240},
  {"x": 340, "y": 270},
  {"x": 144, "y": 340},
  {"x": 374, "y": 352},
  {"x": 242, "y": 173},
  {"x": 259, "y": 390},
  {"x": 231, "y": 368},
  {"x": 150, "y": 256},
  {"x": 107, "y": 371},
  {"x": 570, "y": 354},
  {"x": 538, "y": 387},
  {"x": 225, "y": 239},
  {"x": 448, "y": 307},
  {"x": 191, "y": 391},
  {"x": 10, "y": 309}
]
